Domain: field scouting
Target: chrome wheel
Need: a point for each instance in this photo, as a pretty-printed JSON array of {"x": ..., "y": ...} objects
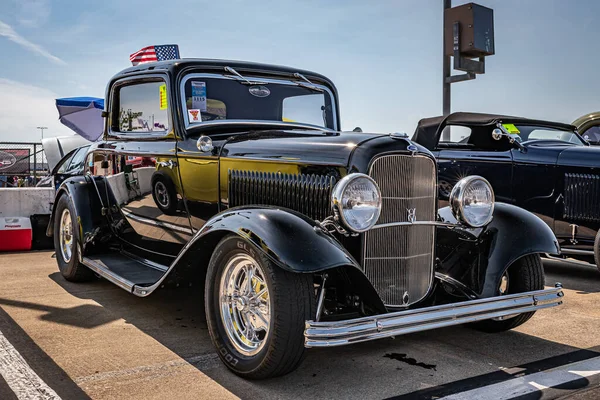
[
  {"x": 245, "y": 305},
  {"x": 66, "y": 235},
  {"x": 162, "y": 195}
]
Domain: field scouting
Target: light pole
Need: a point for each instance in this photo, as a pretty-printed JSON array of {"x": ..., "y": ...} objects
[{"x": 42, "y": 129}]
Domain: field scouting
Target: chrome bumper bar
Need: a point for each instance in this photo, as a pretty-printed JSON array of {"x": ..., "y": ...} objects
[{"x": 339, "y": 333}]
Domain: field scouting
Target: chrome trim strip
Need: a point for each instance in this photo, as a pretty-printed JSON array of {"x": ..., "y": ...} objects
[
  {"x": 267, "y": 80},
  {"x": 339, "y": 333},
  {"x": 145, "y": 262},
  {"x": 436, "y": 223},
  {"x": 577, "y": 252},
  {"x": 162, "y": 224},
  {"x": 108, "y": 274}
]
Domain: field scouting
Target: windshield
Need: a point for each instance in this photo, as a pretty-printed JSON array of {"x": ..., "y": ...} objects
[
  {"x": 525, "y": 133},
  {"x": 209, "y": 97}
]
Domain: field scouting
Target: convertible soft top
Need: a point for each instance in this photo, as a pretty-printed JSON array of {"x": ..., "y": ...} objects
[{"x": 429, "y": 129}]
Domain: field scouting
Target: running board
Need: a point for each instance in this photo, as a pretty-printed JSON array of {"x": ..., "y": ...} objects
[
  {"x": 339, "y": 333},
  {"x": 107, "y": 274},
  {"x": 124, "y": 271}
]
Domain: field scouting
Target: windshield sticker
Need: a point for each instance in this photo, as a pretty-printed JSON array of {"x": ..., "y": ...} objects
[
  {"x": 511, "y": 128},
  {"x": 162, "y": 92},
  {"x": 199, "y": 95},
  {"x": 194, "y": 115},
  {"x": 259, "y": 91}
]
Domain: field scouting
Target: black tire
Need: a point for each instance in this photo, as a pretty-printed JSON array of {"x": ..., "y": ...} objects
[
  {"x": 71, "y": 269},
  {"x": 525, "y": 275},
  {"x": 292, "y": 302},
  {"x": 597, "y": 250},
  {"x": 163, "y": 183}
]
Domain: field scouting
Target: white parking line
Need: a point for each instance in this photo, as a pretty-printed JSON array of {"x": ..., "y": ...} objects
[
  {"x": 19, "y": 376},
  {"x": 533, "y": 383}
]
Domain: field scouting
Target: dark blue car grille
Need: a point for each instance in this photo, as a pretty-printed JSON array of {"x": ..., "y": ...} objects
[
  {"x": 582, "y": 197},
  {"x": 307, "y": 194}
]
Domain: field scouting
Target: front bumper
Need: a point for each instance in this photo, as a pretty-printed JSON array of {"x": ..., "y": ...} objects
[{"x": 339, "y": 333}]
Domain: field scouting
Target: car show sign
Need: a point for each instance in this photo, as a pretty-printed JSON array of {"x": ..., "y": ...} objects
[{"x": 14, "y": 161}]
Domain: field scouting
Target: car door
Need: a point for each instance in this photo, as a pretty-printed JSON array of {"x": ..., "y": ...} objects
[
  {"x": 139, "y": 164},
  {"x": 468, "y": 152}
]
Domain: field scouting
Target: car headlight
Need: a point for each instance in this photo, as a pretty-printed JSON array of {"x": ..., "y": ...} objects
[
  {"x": 472, "y": 201},
  {"x": 357, "y": 199}
]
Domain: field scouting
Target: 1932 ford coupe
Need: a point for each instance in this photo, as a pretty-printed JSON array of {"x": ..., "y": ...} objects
[{"x": 236, "y": 174}]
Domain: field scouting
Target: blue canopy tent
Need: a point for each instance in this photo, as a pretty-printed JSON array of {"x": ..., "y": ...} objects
[{"x": 83, "y": 115}]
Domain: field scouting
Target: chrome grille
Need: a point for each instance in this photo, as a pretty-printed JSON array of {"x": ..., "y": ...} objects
[{"x": 399, "y": 260}]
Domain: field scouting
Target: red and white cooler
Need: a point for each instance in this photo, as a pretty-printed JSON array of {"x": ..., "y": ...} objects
[{"x": 15, "y": 233}]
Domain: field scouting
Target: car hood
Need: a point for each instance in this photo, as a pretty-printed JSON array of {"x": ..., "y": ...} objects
[
  {"x": 55, "y": 148},
  {"x": 311, "y": 147},
  {"x": 580, "y": 156}
]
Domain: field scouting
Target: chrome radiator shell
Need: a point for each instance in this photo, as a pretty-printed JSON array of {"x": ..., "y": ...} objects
[{"x": 399, "y": 260}]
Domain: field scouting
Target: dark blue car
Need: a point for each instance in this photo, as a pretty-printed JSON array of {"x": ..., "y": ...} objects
[{"x": 545, "y": 167}]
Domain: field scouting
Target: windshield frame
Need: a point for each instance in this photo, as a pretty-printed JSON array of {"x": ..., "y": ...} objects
[
  {"x": 194, "y": 75},
  {"x": 550, "y": 127}
]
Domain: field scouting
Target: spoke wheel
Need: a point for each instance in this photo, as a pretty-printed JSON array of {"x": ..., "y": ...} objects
[
  {"x": 66, "y": 235},
  {"x": 245, "y": 304},
  {"x": 256, "y": 311}
]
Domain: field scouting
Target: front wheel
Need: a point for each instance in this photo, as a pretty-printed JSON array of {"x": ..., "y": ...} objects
[
  {"x": 256, "y": 311},
  {"x": 524, "y": 275}
]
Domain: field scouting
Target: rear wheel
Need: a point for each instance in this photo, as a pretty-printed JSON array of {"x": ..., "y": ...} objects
[
  {"x": 524, "y": 275},
  {"x": 67, "y": 243},
  {"x": 256, "y": 311}
]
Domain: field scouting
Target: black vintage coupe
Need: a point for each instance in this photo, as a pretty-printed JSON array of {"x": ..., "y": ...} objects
[
  {"x": 236, "y": 175},
  {"x": 545, "y": 167}
]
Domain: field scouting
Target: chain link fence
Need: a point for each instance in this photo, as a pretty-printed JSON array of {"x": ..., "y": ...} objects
[{"x": 22, "y": 164}]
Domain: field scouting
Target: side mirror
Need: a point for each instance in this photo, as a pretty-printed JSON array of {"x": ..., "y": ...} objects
[{"x": 498, "y": 134}]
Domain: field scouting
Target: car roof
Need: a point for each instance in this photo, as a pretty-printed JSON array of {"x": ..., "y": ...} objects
[
  {"x": 429, "y": 129},
  {"x": 216, "y": 64}
]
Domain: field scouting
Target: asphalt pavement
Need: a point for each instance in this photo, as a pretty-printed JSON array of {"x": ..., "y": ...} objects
[{"x": 93, "y": 340}]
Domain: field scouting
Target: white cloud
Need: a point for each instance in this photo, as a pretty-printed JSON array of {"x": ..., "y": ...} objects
[
  {"x": 8, "y": 32},
  {"x": 23, "y": 108},
  {"x": 33, "y": 13}
]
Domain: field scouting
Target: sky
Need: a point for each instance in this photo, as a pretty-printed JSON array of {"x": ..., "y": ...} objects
[{"x": 384, "y": 56}]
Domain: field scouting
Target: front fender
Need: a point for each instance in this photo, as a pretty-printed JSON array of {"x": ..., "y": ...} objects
[
  {"x": 512, "y": 234},
  {"x": 291, "y": 240}
]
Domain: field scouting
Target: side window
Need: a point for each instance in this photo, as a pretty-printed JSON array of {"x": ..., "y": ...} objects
[
  {"x": 308, "y": 109},
  {"x": 459, "y": 136},
  {"x": 142, "y": 108},
  {"x": 77, "y": 162},
  {"x": 65, "y": 165}
]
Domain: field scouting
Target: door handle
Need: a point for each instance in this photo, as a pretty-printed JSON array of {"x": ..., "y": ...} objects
[{"x": 168, "y": 164}]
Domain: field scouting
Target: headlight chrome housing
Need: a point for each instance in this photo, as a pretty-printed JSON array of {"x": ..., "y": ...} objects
[
  {"x": 356, "y": 199},
  {"x": 472, "y": 201}
]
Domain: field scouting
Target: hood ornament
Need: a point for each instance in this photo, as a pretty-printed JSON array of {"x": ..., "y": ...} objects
[{"x": 412, "y": 214}]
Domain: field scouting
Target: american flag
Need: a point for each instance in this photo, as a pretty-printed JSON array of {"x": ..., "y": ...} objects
[{"x": 155, "y": 53}]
